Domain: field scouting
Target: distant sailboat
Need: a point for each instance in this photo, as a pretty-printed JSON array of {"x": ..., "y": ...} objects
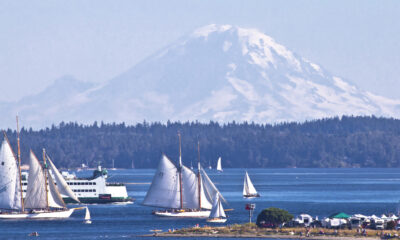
[
  {"x": 180, "y": 191},
  {"x": 219, "y": 166},
  {"x": 217, "y": 214},
  {"x": 87, "y": 216},
  {"x": 209, "y": 165},
  {"x": 249, "y": 190}
]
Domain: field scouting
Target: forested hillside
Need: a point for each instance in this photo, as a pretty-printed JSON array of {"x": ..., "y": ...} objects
[{"x": 334, "y": 142}]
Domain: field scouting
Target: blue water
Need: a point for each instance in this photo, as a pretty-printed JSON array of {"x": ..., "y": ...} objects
[{"x": 318, "y": 192}]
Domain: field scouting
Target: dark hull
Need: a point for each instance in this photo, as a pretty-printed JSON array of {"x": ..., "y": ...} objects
[{"x": 251, "y": 195}]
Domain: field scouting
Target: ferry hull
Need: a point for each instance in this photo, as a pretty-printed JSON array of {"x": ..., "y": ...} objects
[
  {"x": 38, "y": 215},
  {"x": 90, "y": 200},
  {"x": 194, "y": 214}
]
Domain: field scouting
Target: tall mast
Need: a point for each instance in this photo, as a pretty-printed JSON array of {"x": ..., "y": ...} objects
[
  {"x": 45, "y": 178},
  {"x": 19, "y": 168},
  {"x": 180, "y": 170},
  {"x": 198, "y": 173}
]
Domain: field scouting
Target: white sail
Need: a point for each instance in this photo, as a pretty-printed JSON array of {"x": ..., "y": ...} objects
[
  {"x": 164, "y": 190},
  {"x": 87, "y": 214},
  {"x": 217, "y": 210},
  {"x": 10, "y": 195},
  {"x": 190, "y": 191},
  {"x": 219, "y": 166},
  {"x": 209, "y": 188},
  {"x": 248, "y": 187},
  {"x": 62, "y": 185},
  {"x": 36, "y": 191},
  {"x": 205, "y": 203},
  {"x": 54, "y": 198}
]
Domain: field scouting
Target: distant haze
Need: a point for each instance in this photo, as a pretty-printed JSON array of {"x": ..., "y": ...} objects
[{"x": 217, "y": 72}]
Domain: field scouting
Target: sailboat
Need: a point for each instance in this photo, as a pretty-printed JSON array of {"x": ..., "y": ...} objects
[
  {"x": 87, "y": 216},
  {"x": 180, "y": 191},
  {"x": 249, "y": 190},
  {"x": 219, "y": 166},
  {"x": 43, "y": 200},
  {"x": 217, "y": 214},
  {"x": 209, "y": 165}
]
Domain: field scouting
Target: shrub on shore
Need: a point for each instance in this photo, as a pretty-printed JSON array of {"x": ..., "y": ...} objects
[{"x": 273, "y": 217}]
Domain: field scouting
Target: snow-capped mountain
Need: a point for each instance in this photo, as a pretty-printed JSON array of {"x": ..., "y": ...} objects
[{"x": 220, "y": 73}]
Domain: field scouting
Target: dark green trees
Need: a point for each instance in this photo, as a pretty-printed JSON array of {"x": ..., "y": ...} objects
[{"x": 273, "y": 217}]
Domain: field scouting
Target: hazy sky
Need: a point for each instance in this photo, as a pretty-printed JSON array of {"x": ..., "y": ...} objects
[{"x": 41, "y": 41}]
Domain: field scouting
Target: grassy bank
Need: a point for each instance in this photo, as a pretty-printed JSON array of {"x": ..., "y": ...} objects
[{"x": 251, "y": 230}]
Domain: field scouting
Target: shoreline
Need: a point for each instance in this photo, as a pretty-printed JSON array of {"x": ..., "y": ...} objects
[
  {"x": 252, "y": 231},
  {"x": 272, "y": 236}
]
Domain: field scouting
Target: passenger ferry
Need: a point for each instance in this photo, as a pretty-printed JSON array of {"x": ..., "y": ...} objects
[{"x": 90, "y": 190}]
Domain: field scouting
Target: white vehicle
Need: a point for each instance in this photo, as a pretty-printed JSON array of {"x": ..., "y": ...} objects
[
  {"x": 378, "y": 223},
  {"x": 90, "y": 190},
  {"x": 304, "y": 219}
]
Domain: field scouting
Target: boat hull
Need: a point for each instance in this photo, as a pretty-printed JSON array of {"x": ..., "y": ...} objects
[
  {"x": 188, "y": 214},
  {"x": 90, "y": 200},
  {"x": 217, "y": 220},
  {"x": 38, "y": 215},
  {"x": 251, "y": 196}
]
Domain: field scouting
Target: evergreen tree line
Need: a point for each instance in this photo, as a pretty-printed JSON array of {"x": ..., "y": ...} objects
[{"x": 333, "y": 142}]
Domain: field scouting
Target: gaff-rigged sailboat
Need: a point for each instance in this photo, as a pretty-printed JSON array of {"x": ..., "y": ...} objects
[
  {"x": 249, "y": 191},
  {"x": 42, "y": 197},
  {"x": 219, "y": 166},
  {"x": 217, "y": 214},
  {"x": 180, "y": 191}
]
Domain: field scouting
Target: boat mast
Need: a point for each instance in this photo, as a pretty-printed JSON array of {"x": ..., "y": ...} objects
[
  {"x": 198, "y": 173},
  {"x": 45, "y": 178},
  {"x": 180, "y": 170},
  {"x": 19, "y": 168}
]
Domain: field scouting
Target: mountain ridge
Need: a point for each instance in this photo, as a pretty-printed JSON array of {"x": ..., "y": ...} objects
[{"x": 219, "y": 73}]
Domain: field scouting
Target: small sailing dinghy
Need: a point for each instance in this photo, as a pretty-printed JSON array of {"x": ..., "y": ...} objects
[
  {"x": 87, "y": 216},
  {"x": 217, "y": 214},
  {"x": 249, "y": 190},
  {"x": 180, "y": 191},
  {"x": 219, "y": 166}
]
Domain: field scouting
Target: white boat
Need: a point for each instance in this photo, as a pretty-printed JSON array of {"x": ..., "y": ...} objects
[
  {"x": 217, "y": 214},
  {"x": 209, "y": 165},
  {"x": 249, "y": 191},
  {"x": 180, "y": 191},
  {"x": 87, "y": 216},
  {"x": 94, "y": 189},
  {"x": 219, "y": 166},
  {"x": 42, "y": 198}
]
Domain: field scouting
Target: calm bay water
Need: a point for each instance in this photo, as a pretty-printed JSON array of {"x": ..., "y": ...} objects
[{"x": 318, "y": 192}]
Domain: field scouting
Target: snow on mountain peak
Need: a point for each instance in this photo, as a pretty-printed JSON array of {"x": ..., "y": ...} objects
[{"x": 220, "y": 73}]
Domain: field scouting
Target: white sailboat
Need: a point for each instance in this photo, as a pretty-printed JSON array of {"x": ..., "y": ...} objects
[
  {"x": 217, "y": 214},
  {"x": 249, "y": 191},
  {"x": 219, "y": 166},
  {"x": 209, "y": 165},
  {"x": 42, "y": 196},
  {"x": 180, "y": 191},
  {"x": 87, "y": 216}
]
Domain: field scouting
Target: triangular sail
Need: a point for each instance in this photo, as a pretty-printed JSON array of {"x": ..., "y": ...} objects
[
  {"x": 54, "y": 198},
  {"x": 87, "y": 214},
  {"x": 217, "y": 210},
  {"x": 209, "y": 187},
  {"x": 62, "y": 185},
  {"x": 219, "y": 166},
  {"x": 205, "y": 203},
  {"x": 164, "y": 189},
  {"x": 36, "y": 191},
  {"x": 10, "y": 195},
  {"x": 248, "y": 187},
  {"x": 190, "y": 191}
]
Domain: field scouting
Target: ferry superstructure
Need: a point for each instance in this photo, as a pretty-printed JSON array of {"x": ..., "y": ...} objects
[{"x": 95, "y": 189}]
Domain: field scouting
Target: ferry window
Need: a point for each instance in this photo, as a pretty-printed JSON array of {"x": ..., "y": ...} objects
[
  {"x": 94, "y": 190},
  {"x": 86, "y": 190},
  {"x": 94, "y": 183}
]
